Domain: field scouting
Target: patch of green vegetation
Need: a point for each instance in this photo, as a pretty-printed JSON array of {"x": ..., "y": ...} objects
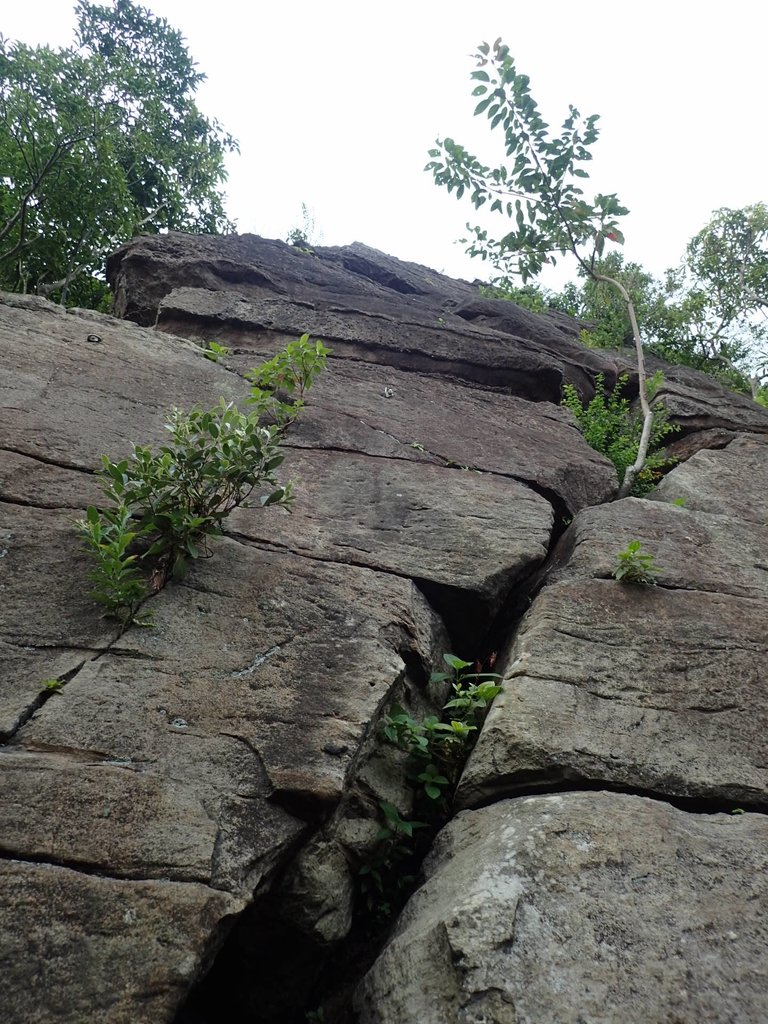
[
  {"x": 437, "y": 751},
  {"x": 612, "y": 428},
  {"x": 214, "y": 351},
  {"x": 166, "y": 505},
  {"x": 635, "y": 566}
]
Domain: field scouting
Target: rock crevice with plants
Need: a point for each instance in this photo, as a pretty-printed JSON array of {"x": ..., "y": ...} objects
[{"x": 190, "y": 811}]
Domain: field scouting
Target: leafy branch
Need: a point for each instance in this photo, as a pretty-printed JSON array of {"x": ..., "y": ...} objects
[{"x": 539, "y": 191}]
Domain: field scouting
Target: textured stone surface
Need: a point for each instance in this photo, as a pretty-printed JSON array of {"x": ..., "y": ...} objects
[
  {"x": 76, "y": 948},
  {"x": 373, "y": 307},
  {"x": 199, "y": 750},
  {"x": 732, "y": 482},
  {"x": 382, "y": 410},
  {"x": 476, "y": 532},
  {"x": 229, "y": 761},
  {"x": 582, "y": 907},
  {"x": 660, "y": 688}
]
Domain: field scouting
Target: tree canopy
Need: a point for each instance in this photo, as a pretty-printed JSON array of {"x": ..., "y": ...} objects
[{"x": 99, "y": 141}]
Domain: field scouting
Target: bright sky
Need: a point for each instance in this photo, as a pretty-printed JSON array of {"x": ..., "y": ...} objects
[{"x": 336, "y": 103}]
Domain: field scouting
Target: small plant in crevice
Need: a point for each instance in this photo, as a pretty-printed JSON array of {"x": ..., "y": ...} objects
[
  {"x": 166, "y": 505},
  {"x": 278, "y": 386},
  {"x": 635, "y": 566},
  {"x": 437, "y": 751},
  {"x": 388, "y": 875},
  {"x": 611, "y": 427},
  {"x": 214, "y": 351},
  {"x": 52, "y": 685}
]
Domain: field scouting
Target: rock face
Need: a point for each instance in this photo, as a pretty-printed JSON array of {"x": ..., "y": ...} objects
[
  {"x": 222, "y": 773},
  {"x": 574, "y": 908},
  {"x": 658, "y": 688}
]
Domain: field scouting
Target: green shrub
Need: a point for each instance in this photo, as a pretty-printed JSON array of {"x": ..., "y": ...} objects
[
  {"x": 611, "y": 427},
  {"x": 167, "y": 504},
  {"x": 214, "y": 351},
  {"x": 437, "y": 752},
  {"x": 634, "y": 566}
]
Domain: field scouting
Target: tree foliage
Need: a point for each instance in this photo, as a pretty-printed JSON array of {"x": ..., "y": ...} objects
[
  {"x": 99, "y": 141},
  {"x": 709, "y": 313},
  {"x": 537, "y": 188},
  {"x": 706, "y": 313},
  {"x": 720, "y": 293}
]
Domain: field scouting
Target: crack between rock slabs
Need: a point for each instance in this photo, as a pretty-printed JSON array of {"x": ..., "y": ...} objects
[
  {"x": 415, "y": 361},
  {"x": 58, "y": 463},
  {"x": 658, "y": 585},
  {"x": 5, "y": 500},
  {"x": 66, "y": 677},
  {"x": 276, "y": 546},
  {"x": 625, "y": 693},
  {"x": 95, "y": 871},
  {"x": 551, "y": 496},
  {"x": 575, "y": 783},
  {"x": 42, "y": 698},
  {"x": 29, "y": 646}
]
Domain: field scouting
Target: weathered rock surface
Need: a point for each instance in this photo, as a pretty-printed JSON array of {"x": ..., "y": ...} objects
[
  {"x": 731, "y": 482},
  {"x": 657, "y": 688},
  {"x": 74, "y": 946},
  {"x": 199, "y": 751},
  {"x": 372, "y": 307},
  {"x": 221, "y": 774},
  {"x": 591, "y": 907}
]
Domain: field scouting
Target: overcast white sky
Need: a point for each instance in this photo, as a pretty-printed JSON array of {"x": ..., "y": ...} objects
[{"x": 336, "y": 103}]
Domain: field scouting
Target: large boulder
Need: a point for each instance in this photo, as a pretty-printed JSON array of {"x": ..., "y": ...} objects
[
  {"x": 593, "y": 907},
  {"x": 659, "y": 688}
]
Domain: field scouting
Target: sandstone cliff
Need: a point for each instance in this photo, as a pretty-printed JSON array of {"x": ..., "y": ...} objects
[{"x": 191, "y": 807}]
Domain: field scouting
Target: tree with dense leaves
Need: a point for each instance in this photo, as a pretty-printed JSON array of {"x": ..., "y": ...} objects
[
  {"x": 721, "y": 291},
  {"x": 98, "y": 142}
]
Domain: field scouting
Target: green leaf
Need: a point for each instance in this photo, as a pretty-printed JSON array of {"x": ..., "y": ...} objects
[{"x": 456, "y": 663}]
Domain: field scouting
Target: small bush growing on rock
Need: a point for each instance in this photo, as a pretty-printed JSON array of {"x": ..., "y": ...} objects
[
  {"x": 214, "y": 351},
  {"x": 166, "y": 505},
  {"x": 120, "y": 585},
  {"x": 611, "y": 427},
  {"x": 437, "y": 752},
  {"x": 635, "y": 566}
]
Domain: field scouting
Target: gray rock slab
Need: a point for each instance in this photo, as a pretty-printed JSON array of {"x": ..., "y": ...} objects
[
  {"x": 67, "y": 401},
  {"x": 479, "y": 532},
  {"x": 410, "y": 336},
  {"x": 692, "y": 550},
  {"x": 25, "y": 480},
  {"x": 582, "y": 907},
  {"x": 655, "y": 689},
  {"x": 377, "y": 410},
  {"x": 257, "y": 683},
  {"x": 77, "y": 947},
  {"x": 732, "y": 481},
  {"x": 697, "y": 402},
  {"x": 659, "y": 688},
  {"x": 49, "y": 625}
]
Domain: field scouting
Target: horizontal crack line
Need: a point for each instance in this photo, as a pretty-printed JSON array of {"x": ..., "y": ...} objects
[
  {"x": 94, "y": 870},
  {"x": 46, "y": 461}
]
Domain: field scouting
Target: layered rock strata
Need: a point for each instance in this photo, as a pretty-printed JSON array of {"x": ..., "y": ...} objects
[{"x": 230, "y": 759}]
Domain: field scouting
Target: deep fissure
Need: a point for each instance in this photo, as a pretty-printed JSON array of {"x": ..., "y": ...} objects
[{"x": 267, "y": 970}]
